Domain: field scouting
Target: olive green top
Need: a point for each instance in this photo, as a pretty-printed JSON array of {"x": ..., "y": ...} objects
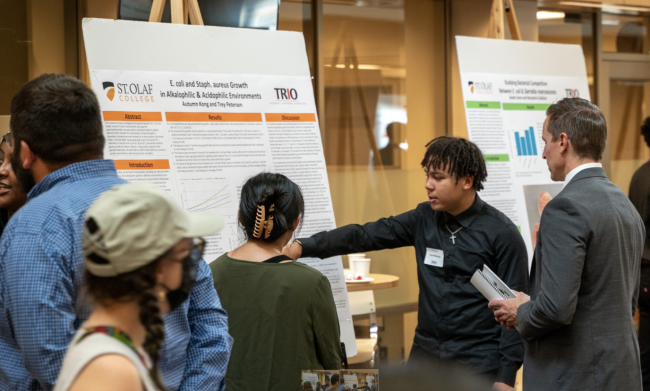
[{"x": 283, "y": 319}]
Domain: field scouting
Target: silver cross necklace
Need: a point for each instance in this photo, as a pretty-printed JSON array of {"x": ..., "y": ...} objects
[{"x": 453, "y": 234}]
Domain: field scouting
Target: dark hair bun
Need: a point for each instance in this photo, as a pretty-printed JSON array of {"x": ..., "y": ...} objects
[{"x": 270, "y": 190}]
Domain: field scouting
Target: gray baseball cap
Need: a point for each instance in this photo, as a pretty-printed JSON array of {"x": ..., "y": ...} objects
[{"x": 132, "y": 225}]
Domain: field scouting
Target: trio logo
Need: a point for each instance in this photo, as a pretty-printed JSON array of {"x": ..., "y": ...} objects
[
  {"x": 571, "y": 93},
  {"x": 286, "y": 93},
  {"x": 109, "y": 87}
]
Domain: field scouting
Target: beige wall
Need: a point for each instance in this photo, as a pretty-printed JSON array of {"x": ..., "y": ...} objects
[
  {"x": 46, "y": 36},
  {"x": 4, "y": 124}
]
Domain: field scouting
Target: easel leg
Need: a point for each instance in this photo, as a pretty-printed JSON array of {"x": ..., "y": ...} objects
[
  {"x": 497, "y": 24},
  {"x": 157, "y": 11},
  {"x": 512, "y": 20},
  {"x": 177, "y": 11},
  {"x": 195, "y": 12}
]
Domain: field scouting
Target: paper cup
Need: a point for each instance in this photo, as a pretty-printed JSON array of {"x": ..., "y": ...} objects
[
  {"x": 352, "y": 257},
  {"x": 361, "y": 267}
]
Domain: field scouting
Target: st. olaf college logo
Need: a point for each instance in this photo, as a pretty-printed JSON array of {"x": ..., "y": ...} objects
[{"x": 109, "y": 88}]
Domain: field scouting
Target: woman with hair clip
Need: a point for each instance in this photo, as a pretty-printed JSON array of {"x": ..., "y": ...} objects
[
  {"x": 281, "y": 313},
  {"x": 140, "y": 251}
]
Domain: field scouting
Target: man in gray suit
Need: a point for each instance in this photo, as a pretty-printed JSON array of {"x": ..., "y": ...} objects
[{"x": 585, "y": 272}]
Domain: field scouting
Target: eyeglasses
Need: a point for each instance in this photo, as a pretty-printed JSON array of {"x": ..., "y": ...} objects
[
  {"x": 9, "y": 139},
  {"x": 198, "y": 247}
]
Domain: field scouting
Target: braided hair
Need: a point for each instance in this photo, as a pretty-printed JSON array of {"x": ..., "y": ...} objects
[
  {"x": 267, "y": 189},
  {"x": 458, "y": 156},
  {"x": 137, "y": 285}
]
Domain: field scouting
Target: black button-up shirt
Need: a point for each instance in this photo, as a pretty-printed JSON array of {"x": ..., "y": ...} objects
[{"x": 454, "y": 321}]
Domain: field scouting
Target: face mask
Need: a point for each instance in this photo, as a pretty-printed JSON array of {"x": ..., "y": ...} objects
[{"x": 178, "y": 296}]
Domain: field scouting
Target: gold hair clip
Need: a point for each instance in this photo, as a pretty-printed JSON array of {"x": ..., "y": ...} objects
[{"x": 263, "y": 224}]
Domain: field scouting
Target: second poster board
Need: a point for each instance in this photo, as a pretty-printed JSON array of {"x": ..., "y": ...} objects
[{"x": 507, "y": 87}]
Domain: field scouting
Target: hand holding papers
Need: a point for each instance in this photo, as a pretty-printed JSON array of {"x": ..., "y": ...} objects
[
  {"x": 490, "y": 285},
  {"x": 499, "y": 295}
]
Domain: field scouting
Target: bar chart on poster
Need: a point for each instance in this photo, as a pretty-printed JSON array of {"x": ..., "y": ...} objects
[
  {"x": 200, "y": 124},
  {"x": 507, "y": 88}
]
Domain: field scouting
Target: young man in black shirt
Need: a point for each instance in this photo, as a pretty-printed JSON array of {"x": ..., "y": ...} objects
[{"x": 454, "y": 234}]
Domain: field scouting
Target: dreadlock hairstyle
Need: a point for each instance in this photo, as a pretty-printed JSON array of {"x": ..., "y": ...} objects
[
  {"x": 458, "y": 156},
  {"x": 137, "y": 285}
]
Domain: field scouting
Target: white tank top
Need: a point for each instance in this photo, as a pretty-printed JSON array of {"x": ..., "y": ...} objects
[{"x": 91, "y": 347}]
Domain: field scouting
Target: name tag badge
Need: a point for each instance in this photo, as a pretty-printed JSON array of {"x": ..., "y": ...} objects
[{"x": 434, "y": 257}]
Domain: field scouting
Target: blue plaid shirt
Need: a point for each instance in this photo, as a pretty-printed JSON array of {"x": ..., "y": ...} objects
[{"x": 42, "y": 302}]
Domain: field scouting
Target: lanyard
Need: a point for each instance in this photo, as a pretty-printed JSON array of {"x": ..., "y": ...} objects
[{"x": 115, "y": 333}]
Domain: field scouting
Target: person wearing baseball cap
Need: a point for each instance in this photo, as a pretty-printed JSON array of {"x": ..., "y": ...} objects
[{"x": 140, "y": 252}]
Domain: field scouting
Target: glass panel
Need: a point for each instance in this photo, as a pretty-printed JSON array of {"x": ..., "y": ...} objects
[
  {"x": 629, "y": 107},
  {"x": 384, "y": 77},
  {"x": 625, "y": 34},
  {"x": 293, "y": 15},
  {"x": 365, "y": 83},
  {"x": 569, "y": 27}
]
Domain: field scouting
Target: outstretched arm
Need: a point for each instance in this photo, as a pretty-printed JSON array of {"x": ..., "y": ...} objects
[{"x": 392, "y": 232}]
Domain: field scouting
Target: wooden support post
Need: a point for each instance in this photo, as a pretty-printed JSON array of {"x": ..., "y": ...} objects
[
  {"x": 496, "y": 27},
  {"x": 177, "y": 11},
  {"x": 627, "y": 112},
  {"x": 183, "y": 12},
  {"x": 157, "y": 10},
  {"x": 512, "y": 20},
  {"x": 195, "y": 12}
]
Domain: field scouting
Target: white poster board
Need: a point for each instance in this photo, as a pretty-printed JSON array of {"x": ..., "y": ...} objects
[
  {"x": 507, "y": 87},
  {"x": 198, "y": 110},
  {"x": 351, "y": 380},
  {"x": 311, "y": 378}
]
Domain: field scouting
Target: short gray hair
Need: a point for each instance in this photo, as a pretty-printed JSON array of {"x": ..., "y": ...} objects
[{"x": 582, "y": 122}]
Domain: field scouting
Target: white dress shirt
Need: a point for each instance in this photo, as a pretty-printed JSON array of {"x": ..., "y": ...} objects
[{"x": 576, "y": 170}]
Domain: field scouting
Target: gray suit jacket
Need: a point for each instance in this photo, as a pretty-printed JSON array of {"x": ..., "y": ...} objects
[{"x": 584, "y": 290}]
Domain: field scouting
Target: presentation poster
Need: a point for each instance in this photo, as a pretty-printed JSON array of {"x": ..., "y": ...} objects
[
  {"x": 311, "y": 378},
  {"x": 505, "y": 100},
  {"x": 200, "y": 134},
  {"x": 351, "y": 381}
]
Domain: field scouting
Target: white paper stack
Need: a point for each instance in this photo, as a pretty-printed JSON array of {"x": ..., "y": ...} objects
[{"x": 490, "y": 285}]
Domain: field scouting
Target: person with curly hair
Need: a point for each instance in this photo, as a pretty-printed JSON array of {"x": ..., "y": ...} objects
[
  {"x": 454, "y": 233},
  {"x": 141, "y": 252},
  {"x": 640, "y": 197}
]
